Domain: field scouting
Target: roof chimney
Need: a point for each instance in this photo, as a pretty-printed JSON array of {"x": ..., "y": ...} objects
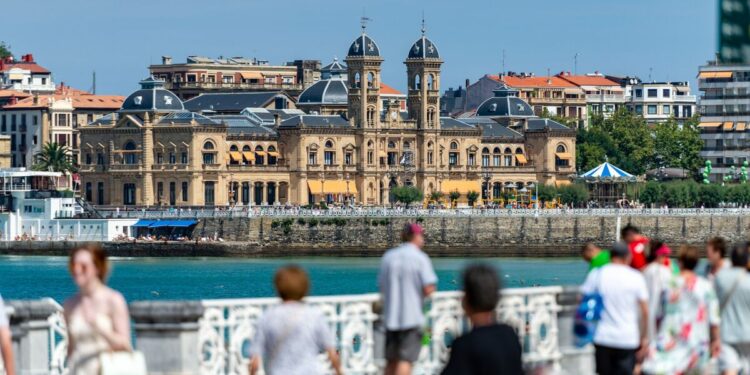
[
  {"x": 36, "y": 99},
  {"x": 277, "y": 119},
  {"x": 13, "y": 100},
  {"x": 166, "y": 60}
]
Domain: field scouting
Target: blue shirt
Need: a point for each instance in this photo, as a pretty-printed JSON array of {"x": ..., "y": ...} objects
[{"x": 404, "y": 273}]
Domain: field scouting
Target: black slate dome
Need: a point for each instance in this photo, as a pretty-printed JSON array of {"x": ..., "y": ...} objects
[
  {"x": 364, "y": 46},
  {"x": 334, "y": 69},
  {"x": 327, "y": 91},
  {"x": 423, "y": 48},
  {"x": 505, "y": 103},
  {"x": 152, "y": 97}
]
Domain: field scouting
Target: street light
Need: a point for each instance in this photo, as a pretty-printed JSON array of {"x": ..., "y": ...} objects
[{"x": 486, "y": 177}]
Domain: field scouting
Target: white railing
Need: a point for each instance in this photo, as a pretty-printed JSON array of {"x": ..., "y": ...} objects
[
  {"x": 270, "y": 211},
  {"x": 228, "y": 326}
]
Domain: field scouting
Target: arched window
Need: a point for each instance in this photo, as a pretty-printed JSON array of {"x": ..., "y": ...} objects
[
  {"x": 370, "y": 117},
  {"x": 560, "y": 148},
  {"x": 246, "y": 148},
  {"x": 130, "y": 157},
  {"x": 508, "y": 151},
  {"x": 209, "y": 156},
  {"x": 329, "y": 144},
  {"x": 496, "y": 150},
  {"x": 485, "y": 150},
  {"x": 407, "y": 145},
  {"x": 431, "y": 117},
  {"x": 391, "y": 144},
  {"x": 485, "y": 157},
  {"x": 519, "y": 150},
  {"x": 417, "y": 82},
  {"x": 431, "y": 82},
  {"x": 259, "y": 155},
  {"x": 272, "y": 155},
  {"x": 454, "y": 145},
  {"x": 233, "y": 148},
  {"x": 357, "y": 80},
  {"x": 370, "y": 80},
  {"x": 208, "y": 145},
  {"x": 130, "y": 146},
  {"x": 429, "y": 144}
]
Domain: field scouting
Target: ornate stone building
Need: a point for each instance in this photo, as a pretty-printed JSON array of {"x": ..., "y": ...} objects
[{"x": 153, "y": 151}]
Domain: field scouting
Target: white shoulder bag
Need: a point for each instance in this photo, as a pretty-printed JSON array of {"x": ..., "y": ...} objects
[{"x": 123, "y": 363}]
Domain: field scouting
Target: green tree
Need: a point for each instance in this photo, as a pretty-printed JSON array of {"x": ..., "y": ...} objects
[
  {"x": 678, "y": 145},
  {"x": 547, "y": 193},
  {"x": 454, "y": 195},
  {"x": 624, "y": 138},
  {"x": 4, "y": 50},
  {"x": 407, "y": 194},
  {"x": 652, "y": 193},
  {"x": 472, "y": 196},
  {"x": 576, "y": 194},
  {"x": 710, "y": 195},
  {"x": 54, "y": 157},
  {"x": 436, "y": 196},
  {"x": 739, "y": 194}
]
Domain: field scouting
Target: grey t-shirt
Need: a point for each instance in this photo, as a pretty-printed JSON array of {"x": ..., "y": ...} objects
[
  {"x": 289, "y": 338},
  {"x": 404, "y": 272},
  {"x": 735, "y": 318}
]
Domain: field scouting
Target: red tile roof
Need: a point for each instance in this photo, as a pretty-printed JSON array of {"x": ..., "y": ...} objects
[
  {"x": 32, "y": 67},
  {"x": 518, "y": 82},
  {"x": 388, "y": 90},
  {"x": 587, "y": 80},
  {"x": 12, "y": 93},
  {"x": 80, "y": 101}
]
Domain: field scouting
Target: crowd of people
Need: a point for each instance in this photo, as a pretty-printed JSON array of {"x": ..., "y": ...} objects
[{"x": 659, "y": 313}]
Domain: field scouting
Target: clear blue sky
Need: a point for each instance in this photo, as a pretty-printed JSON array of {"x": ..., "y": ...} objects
[{"x": 119, "y": 38}]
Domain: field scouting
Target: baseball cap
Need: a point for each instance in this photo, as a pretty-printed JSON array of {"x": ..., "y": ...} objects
[
  {"x": 412, "y": 229},
  {"x": 620, "y": 249}
]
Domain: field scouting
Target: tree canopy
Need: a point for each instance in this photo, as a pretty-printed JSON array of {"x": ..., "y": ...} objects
[
  {"x": 407, "y": 194},
  {"x": 4, "y": 50},
  {"x": 54, "y": 157}
]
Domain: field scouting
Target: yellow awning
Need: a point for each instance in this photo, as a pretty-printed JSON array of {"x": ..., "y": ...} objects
[
  {"x": 236, "y": 156},
  {"x": 715, "y": 75},
  {"x": 709, "y": 124},
  {"x": 249, "y": 155},
  {"x": 741, "y": 126},
  {"x": 728, "y": 125},
  {"x": 462, "y": 186},
  {"x": 261, "y": 153},
  {"x": 564, "y": 155},
  {"x": 274, "y": 154},
  {"x": 521, "y": 158},
  {"x": 332, "y": 187},
  {"x": 251, "y": 75}
]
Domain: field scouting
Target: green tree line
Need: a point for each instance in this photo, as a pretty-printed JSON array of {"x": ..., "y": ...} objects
[{"x": 689, "y": 194}]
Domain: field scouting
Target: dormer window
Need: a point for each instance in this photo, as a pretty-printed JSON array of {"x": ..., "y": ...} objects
[
  {"x": 493, "y": 107},
  {"x": 520, "y": 107},
  {"x": 138, "y": 100}
]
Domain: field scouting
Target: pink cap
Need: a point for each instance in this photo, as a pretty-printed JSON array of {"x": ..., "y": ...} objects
[
  {"x": 663, "y": 250},
  {"x": 413, "y": 228}
]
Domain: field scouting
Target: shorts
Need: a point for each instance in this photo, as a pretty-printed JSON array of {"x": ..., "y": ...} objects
[
  {"x": 735, "y": 357},
  {"x": 614, "y": 361},
  {"x": 403, "y": 345}
]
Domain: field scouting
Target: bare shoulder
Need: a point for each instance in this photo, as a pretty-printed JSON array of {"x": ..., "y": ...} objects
[
  {"x": 115, "y": 298},
  {"x": 71, "y": 303}
]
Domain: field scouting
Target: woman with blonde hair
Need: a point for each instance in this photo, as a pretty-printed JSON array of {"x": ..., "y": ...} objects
[{"x": 97, "y": 316}]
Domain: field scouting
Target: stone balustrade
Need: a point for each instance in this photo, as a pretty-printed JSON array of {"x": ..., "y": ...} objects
[{"x": 214, "y": 336}]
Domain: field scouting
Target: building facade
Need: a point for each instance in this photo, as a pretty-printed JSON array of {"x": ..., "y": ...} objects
[
  {"x": 659, "y": 101},
  {"x": 25, "y": 75},
  {"x": 153, "y": 151},
  {"x": 204, "y": 75},
  {"x": 725, "y": 117},
  {"x": 603, "y": 96}
]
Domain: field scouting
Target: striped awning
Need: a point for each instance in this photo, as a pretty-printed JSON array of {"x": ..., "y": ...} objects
[
  {"x": 274, "y": 154},
  {"x": 251, "y": 75},
  {"x": 705, "y": 75},
  {"x": 260, "y": 153},
  {"x": 236, "y": 156},
  {"x": 709, "y": 124},
  {"x": 741, "y": 126},
  {"x": 728, "y": 126},
  {"x": 521, "y": 158},
  {"x": 249, "y": 155}
]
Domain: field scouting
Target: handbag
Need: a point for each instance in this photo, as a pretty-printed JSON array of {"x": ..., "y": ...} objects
[
  {"x": 588, "y": 315},
  {"x": 123, "y": 363}
]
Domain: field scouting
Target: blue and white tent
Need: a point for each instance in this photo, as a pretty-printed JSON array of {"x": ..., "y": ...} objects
[{"x": 606, "y": 171}]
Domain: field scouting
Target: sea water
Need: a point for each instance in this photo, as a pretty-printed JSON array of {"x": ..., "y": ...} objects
[{"x": 26, "y": 277}]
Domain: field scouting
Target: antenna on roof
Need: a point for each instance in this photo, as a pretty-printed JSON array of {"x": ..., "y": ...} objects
[
  {"x": 93, "y": 83},
  {"x": 575, "y": 64},
  {"x": 503, "y": 71},
  {"x": 650, "y": 70}
]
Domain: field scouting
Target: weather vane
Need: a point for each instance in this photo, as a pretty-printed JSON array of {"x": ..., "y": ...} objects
[
  {"x": 423, "y": 28},
  {"x": 364, "y": 20}
]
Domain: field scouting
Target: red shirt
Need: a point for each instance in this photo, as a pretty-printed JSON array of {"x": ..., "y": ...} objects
[{"x": 638, "y": 252}]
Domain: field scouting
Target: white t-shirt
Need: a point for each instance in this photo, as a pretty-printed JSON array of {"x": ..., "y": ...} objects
[
  {"x": 657, "y": 277},
  {"x": 404, "y": 272},
  {"x": 3, "y": 316},
  {"x": 621, "y": 288}
]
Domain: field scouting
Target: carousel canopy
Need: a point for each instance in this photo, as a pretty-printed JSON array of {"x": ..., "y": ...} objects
[{"x": 606, "y": 171}]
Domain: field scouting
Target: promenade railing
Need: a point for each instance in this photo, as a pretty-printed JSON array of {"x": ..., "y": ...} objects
[
  {"x": 216, "y": 341},
  {"x": 415, "y": 212}
]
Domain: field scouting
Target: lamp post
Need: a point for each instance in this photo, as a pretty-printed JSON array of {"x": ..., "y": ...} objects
[{"x": 486, "y": 177}]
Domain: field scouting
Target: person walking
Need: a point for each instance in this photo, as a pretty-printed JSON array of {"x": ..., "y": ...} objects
[
  {"x": 733, "y": 291},
  {"x": 491, "y": 347},
  {"x": 405, "y": 279},
  {"x": 637, "y": 244},
  {"x": 6, "y": 342},
  {"x": 289, "y": 336},
  {"x": 658, "y": 274},
  {"x": 716, "y": 252},
  {"x": 594, "y": 255},
  {"x": 621, "y": 334},
  {"x": 97, "y": 316},
  {"x": 688, "y": 330}
]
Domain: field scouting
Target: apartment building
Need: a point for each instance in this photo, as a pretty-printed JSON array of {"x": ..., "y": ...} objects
[
  {"x": 725, "y": 116},
  {"x": 25, "y": 75},
  {"x": 659, "y": 101}
]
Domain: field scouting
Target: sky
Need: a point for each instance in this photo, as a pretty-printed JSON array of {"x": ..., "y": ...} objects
[{"x": 663, "y": 39}]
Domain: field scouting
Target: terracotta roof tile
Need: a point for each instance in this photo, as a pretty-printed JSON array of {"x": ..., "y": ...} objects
[
  {"x": 32, "y": 67},
  {"x": 541, "y": 81},
  {"x": 586, "y": 80},
  {"x": 388, "y": 90},
  {"x": 82, "y": 101},
  {"x": 11, "y": 93}
]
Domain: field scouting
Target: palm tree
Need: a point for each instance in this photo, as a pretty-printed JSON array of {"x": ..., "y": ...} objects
[{"x": 55, "y": 158}]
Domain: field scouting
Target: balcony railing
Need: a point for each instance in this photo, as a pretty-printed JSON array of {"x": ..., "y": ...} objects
[
  {"x": 232, "y": 86},
  {"x": 124, "y": 167}
]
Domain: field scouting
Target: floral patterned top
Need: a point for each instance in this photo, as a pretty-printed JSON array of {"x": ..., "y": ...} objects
[{"x": 688, "y": 309}]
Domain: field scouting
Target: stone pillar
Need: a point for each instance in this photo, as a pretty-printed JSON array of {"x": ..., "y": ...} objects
[
  {"x": 167, "y": 335},
  {"x": 264, "y": 186},
  {"x": 574, "y": 360},
  {"x": 31, "y": 334},
  {"x": 276, "y": 193},
  {"x": 147, "y": 161}
]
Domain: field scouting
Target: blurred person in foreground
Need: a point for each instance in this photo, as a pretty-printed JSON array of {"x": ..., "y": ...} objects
[
  {"x": 405, "y": 279},
  {"x": 289, "y": 336},
  {"x": 594, "y": 255},
  {"x": 97, "y": 316},
  {"x": 6, "y": 342},
  {"x": 716, "y": 253},
  {"x": 491, "y": 347},
  {"x": 621, "y": 334},
  {"x": 658, "y": 274},
  {"x": 687, "y": 332},
  {"x": 733, "y": 291},
  {"x": 637, "y": 243}
]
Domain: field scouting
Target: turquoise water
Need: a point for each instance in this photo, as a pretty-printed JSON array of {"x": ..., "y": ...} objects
[{"x": 204, "y": 278}]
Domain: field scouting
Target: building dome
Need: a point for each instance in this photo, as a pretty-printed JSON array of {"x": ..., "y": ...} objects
[
  {"x": 505, "y": 103},
  {"x": 364, "y": 46},
  {"x": 152, "y": 97},
  {"x": 334, "y": 69},
  {"x": 326, "y": 91},
  {"x": 423, "y": 48}
]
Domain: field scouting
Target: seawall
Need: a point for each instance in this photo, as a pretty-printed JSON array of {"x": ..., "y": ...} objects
[{"x": 523, "y": 236}]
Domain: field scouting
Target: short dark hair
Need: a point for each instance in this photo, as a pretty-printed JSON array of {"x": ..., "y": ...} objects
[
  {"x": 481, "y": 287},
  {"x": 291, "y": 283},
  {"x": 653, "y": 245},
  {"x": 719, "y": 244},
  {"x": 630, "y": 228},
  {"x": 688, "y": 257},
  {"x": 741, "y": 254}
]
